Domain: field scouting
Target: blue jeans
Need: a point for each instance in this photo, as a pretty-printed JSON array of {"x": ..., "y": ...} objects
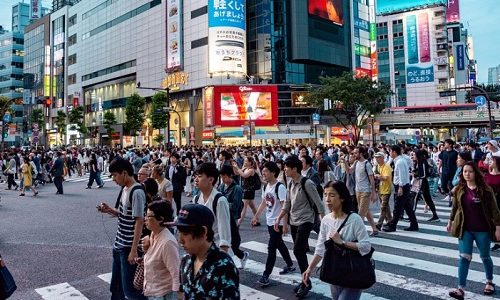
[
  {"x": 98, "y": 179},
  {"x": 122, "y": 277},
  {"x": 343, "y": 293},
  {"x": 169, "y": 296},
  {"x": 483, "y": 241}
]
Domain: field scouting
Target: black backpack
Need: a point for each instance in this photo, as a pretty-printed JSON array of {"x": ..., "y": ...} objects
[
  {"x": 317, "y": 219},
  {"x": 232, "y": 221},
  {"x": 135, "y": 187}
]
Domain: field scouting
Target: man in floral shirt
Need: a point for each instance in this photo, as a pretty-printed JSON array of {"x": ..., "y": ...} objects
[{"x": 206, "y": 271}]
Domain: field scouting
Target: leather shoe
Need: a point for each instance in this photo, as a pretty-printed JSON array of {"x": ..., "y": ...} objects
[
  {"x": 388, "y": 228},
  {"x": 411, "y": 228},
  {"x": 303, "y": 290}
]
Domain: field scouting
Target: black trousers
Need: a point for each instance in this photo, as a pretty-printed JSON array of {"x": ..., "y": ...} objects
[
  {"x": 177, "y": 199},
  {"x": 58, "y": 182},
  {"x": 10, "y": 181},
  {"x": 446, "y": 180},
  {"x": 403, "y": 203},
  {"x": 92, "y": 177},
  {"x": 276, "y": 242},
  {"x": 426, "y": 193},
  {"x": 300, "y": 236},
  {"x": 235, "y": 239}
]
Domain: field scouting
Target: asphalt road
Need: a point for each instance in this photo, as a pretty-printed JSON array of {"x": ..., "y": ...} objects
[{"x": 60, "y": 241}]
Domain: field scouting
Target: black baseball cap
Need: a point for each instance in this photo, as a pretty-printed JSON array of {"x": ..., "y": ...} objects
[{"x": 194, "y": 215}]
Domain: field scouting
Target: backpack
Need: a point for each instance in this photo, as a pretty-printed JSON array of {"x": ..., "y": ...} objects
[
  {"x": 232, "y": 221},
  {"x": 257, "y": 184},
  {"x": 135, "y": 187},
  {"x": 276, "y": 188},
  {"x": 317, "y": 219}
]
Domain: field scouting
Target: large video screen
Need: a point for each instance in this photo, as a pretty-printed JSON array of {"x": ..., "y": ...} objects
[
  {"x": 332, "y": 10},
  {"x": 390, "y": 6},
  {"x": 235, "y": 105}
]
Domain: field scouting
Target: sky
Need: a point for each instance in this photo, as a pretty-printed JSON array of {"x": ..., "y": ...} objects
[{"x": 478, "y": 16}]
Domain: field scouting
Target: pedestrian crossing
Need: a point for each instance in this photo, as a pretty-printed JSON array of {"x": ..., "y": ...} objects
[
  {"x": 409, "y": 265},
  {"x": 85, "y": 178}
]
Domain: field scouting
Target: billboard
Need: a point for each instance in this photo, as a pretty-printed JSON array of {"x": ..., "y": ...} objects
[
  {"x": 232, "y": 103},
  {"x": 460, "y": 57},
  {"x": 419, "y": 65},
  {"x": 174, "y": 35},
  {"x": 453, "y": 12},
  {"x": 365, "y": 39},
  {"x": 390, "y": 6},
  {"x": 35, "y": 9},
  {"x": 227, "y": 36},
  {"x": 332, "y": 10}
]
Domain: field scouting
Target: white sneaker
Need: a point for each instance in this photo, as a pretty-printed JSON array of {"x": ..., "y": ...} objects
[
  {"x": 244, "y": 259},
  {"x": 447, "y": 199}
]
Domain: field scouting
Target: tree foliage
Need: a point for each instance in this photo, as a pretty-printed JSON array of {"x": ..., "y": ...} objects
[
  {"x": 493, "y": 91},
  {"x": 134, "y": 113},
  {"x": 37, "y": 117},
  {"x": 61, "y": 120},
  {"x": 159, "y": 138},
  {"x": 159, "y": 118},
  {"x": 108, "y": 121},
  {"x": 77, "y": 117},
  {"x": 354, "y": 99}
]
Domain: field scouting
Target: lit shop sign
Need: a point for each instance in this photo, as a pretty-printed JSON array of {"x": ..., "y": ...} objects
[
  {"x": 208, "y": 107},
  {"x": 227, "y": 36},
  {"x": 35, "y": 9},
  {"x": 236, "y": 105},
  {"x": 419, "y": 67},
  {"x": 208, "y": 135},
  {"x": 390, "y": 6},
  {"x": 298, "y": 99},
  {"x": 173, "y": 80},
  {"x": 174, "y": 35},
  {"x": 332, "y": 10}
]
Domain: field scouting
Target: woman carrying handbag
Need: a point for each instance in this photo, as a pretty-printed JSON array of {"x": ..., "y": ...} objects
[{"x": 346, "y": 230}]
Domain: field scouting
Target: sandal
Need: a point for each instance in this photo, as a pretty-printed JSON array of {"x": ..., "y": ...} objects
[
  {"x": 457, "y": 294},
  {"x": 489, "y": 289}
]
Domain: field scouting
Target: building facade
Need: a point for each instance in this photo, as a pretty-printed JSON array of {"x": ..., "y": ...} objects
[{"x": 494, "y": 75}]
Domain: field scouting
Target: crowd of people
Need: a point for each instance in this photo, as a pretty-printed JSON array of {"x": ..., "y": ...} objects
[{"x": 303, "y": 189}]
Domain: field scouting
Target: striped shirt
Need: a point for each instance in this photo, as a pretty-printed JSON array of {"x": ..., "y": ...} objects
[{"x": 127, "y": 214}]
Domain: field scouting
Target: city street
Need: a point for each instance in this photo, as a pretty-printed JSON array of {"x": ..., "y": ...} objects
[{"x": 59, "y": 247}]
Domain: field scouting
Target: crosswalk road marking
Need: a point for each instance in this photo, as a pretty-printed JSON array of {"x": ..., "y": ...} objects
[
  {"x": 85, "y": 178},
  {"x": 433, "y": 252}
]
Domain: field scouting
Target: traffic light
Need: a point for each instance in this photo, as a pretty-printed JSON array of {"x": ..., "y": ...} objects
[
  {"x": 183, "y": 132},
  {"x": 48, "y": 102}
]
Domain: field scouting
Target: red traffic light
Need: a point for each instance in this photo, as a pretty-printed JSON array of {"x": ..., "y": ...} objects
[{"x": 48, "y": 102}]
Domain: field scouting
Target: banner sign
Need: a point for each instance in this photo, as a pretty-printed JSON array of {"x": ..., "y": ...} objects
[
  {"x": 332, "y": 10},
  {"x": 390, "y": 6},
  {"x": 420, "y": 66},
  {"x": 208, "y": 107},
  {"x": 227, "y": 36},
  {"x": 453, "y": 12},
  {"x": 460, "y": 57},
  {"x": 174, "y": 35},
  {"x": 35, "y": 9}
]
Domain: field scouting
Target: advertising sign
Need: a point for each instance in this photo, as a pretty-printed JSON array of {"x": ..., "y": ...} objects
[
  {"x": 208, "y": 107},
  {"x": 174, "y": 35},
  {"x": 419, "y": 67},
  {"x": 35, "y": 9},
  {"x": 453, "y": 11},
  {"x": 390, "y": 6},
  {"x": 235, "y": 105},
  {"x": 332, "y": 10},
  {"x": 460, "y": 57},
  {"x": 227, "y": 36},
  {"x": 298, "y": 99}
]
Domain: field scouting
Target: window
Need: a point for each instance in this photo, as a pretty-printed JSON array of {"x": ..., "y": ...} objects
[
  {"x": 72, "y": 59},
  {"x": 199, "y": 12},
  {"x": 72, "y": 40},
  {"x": 116, "y": 68},
  {"x": 199, "y": 43},
  {"x": 72, "y": 20},
  {"x": 72, "y": 79}
]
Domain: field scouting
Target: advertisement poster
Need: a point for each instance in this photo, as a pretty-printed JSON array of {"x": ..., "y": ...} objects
[
  {"x": 236, "y": 105},
  {"x": 35, "y": 9},
  {"x": 460, "y": 57},
  {"x": 419, "y": 67},
  {"x": 365, "y": 40},
  {"x": 332, "y": 10},
  {"x": 453, "y": 11},
  {"x": 227, "y": 36},
  {"x": 208, "y": 107},
  {"x": 390, "y": 6},
  {"x": 174, "y": 35}
]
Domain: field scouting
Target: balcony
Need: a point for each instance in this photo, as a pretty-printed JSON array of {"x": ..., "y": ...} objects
[
  {"x": 441, "y": 74},
  {"x": 441, "y": 33},
  {"x": 438, "y": 20}
]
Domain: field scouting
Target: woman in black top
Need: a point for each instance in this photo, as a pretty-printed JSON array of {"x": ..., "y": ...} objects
[
  {"x": 93, "y": 171},
  {"x": 421, "y": 171}
]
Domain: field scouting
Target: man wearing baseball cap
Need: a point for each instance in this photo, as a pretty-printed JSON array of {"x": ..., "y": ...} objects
[{"x": 206, "y": 272}]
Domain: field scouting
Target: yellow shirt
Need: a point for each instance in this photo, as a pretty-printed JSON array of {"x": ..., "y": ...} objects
[{"x": 385, "y": 185}]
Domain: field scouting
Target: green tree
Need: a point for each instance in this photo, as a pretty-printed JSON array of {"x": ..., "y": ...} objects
[
  {"x": 77, "y": 117},
  {"x": 134, "y": 113},
  {"x": 5, "y": 104},
  {"x": 61, "y": 120},
  {"x": 158, "y": 116},
  {"x": 37, "y": 117},
  {"x": 159, "y": 138},
  {"x": 108, "y": 121},
  {"x": 354, "y": 99},
  {"x": 493, "y": 91}
]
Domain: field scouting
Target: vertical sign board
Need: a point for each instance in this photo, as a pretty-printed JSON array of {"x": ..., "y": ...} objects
[
  {"x": 208, "y": 107},
  {"x": 363, "y": 64},
  {"x": 419, "y": 67},
  {"x": 373, "y": 39},
  {"x": 227, "y": 36},
  {"x": 453, "y": 12},
  {"x": 460, "y": 57},
  {"x": 174, "y": 35},
  {"x": 35, "y": 9}
]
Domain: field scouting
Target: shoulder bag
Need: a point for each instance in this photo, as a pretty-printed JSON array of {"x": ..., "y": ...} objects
[
  {"x": 7, "y": 283},
  {"x": 345, "y": 267}
]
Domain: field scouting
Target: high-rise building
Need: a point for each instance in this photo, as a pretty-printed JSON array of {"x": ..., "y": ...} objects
[
  {"x": 494, "y": 75},
  {"x": 20, "y": 16}
]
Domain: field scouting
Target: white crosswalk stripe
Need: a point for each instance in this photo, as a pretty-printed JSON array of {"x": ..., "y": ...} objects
[
  {"x": 85, "y": 178},
  {"x": 398, "y": 255}
]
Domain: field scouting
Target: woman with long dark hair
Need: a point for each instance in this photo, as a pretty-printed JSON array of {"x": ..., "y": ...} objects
[
  {"x": 353, "y": 235},
  {"x": 248, "y": 184},
  {"x": 492, "y": 178},
  {"x": 474, "y": 217},
  {"x": 93, "y": 171},
  {"x": 421, "y": 171}
]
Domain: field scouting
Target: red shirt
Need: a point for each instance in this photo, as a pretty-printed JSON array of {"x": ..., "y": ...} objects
[{"x": 475, "y": 220}]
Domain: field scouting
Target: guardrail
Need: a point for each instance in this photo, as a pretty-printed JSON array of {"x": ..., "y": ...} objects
[{"x": 439, "y": 117}]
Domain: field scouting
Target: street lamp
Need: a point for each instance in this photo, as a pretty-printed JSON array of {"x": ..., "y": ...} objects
[
  {"x": 373, "y": 130},
  {"x": 249, "y": 113}
]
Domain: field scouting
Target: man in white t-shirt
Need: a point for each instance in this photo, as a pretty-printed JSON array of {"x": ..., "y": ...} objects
[{"x": 273, "y": 199}]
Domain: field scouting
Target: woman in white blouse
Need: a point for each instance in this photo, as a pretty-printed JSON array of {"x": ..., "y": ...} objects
[{"x": 339, "y": 202}]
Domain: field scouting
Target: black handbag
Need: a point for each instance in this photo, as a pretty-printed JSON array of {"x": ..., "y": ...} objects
[
  {"x": 345, "y": 267},
  {"x": 7, "y": 283}
]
